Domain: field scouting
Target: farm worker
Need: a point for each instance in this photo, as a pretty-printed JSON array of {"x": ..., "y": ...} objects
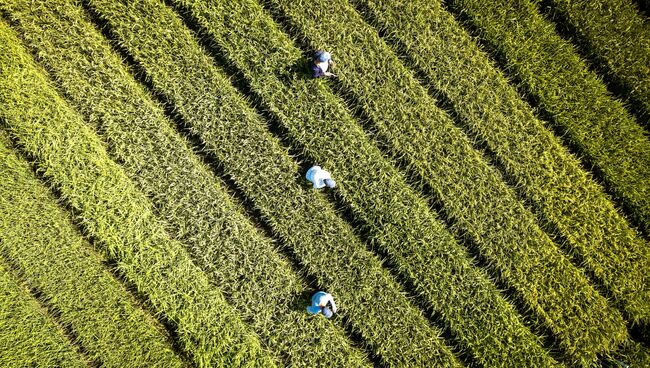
[
  {"x": 320, "y": 178},
  {"x": 322, "y": 302},
  {"x": 321, "y": 63}
]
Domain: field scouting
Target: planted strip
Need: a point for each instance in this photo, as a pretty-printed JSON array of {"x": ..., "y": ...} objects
[
  {"x": 28, "y": 337},
  {"x": 371, "y": 302},
  {"x": 245, "y": 264},
  {"x": 39, "y": 238},
  {"x": 631, "y": 353},
  {"x": 112, "y": 211},
  {"x": 550, "y": 70},
  {"x": 617, "y": 37},
  {"x": 422, "y": 136},
  {"x": 542, "y": 169}
]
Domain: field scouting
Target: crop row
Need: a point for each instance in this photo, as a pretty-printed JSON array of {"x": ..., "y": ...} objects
[
  {"x": 371, "y": 302},
  {"x": 632, "y": 353},
  {"x": 617, "y": 37},
  {"x": 112, "y": 211},
  {"x": 550, "y": 70},
  {"x": 238, "y": 257},
  {"x": 42, "y": 242},
  {"x": 28, "y": 337},
  {"x": 548, "y": 175},
  {"x": 472, "y": 193}
]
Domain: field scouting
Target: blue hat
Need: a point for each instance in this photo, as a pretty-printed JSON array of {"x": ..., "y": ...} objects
[
  {"x": 313, "y": 309},
  {"x": 327, "y": 312},
  {"x": 324, "y": 56}
]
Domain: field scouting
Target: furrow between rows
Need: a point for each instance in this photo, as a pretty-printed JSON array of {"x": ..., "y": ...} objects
[
  {"x": 542, "y": 169},
  {"x": 550, "y": 71},
  {"x": 28, "y": 337},
  {"x": 471, "y": 192},
  {"x": 615, "y": 36}
]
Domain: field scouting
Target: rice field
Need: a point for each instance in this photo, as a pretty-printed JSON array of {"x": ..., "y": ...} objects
[{"x": 492, "y": 199}]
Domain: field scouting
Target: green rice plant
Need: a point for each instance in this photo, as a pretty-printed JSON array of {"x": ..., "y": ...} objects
[
  {"x": 28, "y": 337},
  {"x": 371, "y": 302},
  {"x": 40, "y": 239},
  {"x": 109, "y": 208},
  {"x": 552, "y": 73},
  {"x": 617, "y": 37},
  {"x": 542, "y": 169},
  {"x": 631, "y": 353},
  {"x": 417, "y": 133},
  {"x": 238, "y": 257}
]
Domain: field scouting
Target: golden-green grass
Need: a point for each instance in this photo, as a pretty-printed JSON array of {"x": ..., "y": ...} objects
[
  {"x": 543, "y": 170},
  {"x": 371, "y": 302},
  {"x": 120, "y": 219},
  {"x": 471, "y": 192},
  {"x": 174, "y": 135},
  {"x": 551, "y": 72},
  {"x": 617, "y": 38},
  {"x": 40, "y": 239},
  {"x": 244, "y": 263},
  {"x": 28, "y": 336}
]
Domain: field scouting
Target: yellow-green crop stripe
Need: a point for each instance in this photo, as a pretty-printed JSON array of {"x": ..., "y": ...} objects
[
  {"x": 243, "y": 262},
  {"x": 118, "y": 216},
  {"x": 28, "y": 337},
  {"x": 39, "y": 238}
]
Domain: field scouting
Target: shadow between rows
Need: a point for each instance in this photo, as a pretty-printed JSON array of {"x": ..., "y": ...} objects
[
  {"x": 52, "y": 312},
  {"x": 597, "y": 64}
]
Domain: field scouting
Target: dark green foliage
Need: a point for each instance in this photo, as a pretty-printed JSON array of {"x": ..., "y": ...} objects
[
  {"x": 119, "y": 217},
  {"x": 28, "y": 338},
  {"x": 542, "y": 168},
  {"x": 617, "y": 37},
  {"x": 551, "y": 71},
  {"x": 241, "y": 261}
]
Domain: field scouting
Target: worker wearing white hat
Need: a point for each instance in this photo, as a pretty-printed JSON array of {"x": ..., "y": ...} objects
[{"x": 320, "y": 178}]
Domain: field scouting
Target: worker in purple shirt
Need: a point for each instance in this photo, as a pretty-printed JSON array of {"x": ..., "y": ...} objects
[
  {"x": 321, "y": 63},
  {"x": 322, "y": 302}
]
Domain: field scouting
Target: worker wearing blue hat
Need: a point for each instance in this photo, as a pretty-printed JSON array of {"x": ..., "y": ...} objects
[
  {"x": 322, "y": 302},
  {"x": 321, "y": 63}
]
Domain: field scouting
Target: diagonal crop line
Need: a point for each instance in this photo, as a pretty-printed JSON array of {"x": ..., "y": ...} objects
[
  {"x": 28, "y": 336},
  {"x": 472, "y": 192},
  {"x": 371, "y": 302},
  {"x": 239, "y": 259},
  {"x": 631, "y": 353},
  {"x": 118, "y": 216},
  {"x": 39, "y": 237},
  {"x": 545, "y": 173},
  {"x": 616, "y": 38},
  {"x": 48, "y": 310},
  {"x": 574, "y": 98}
]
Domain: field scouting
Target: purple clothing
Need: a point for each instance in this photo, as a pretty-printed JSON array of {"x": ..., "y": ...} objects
[{"x": 316, "y": 71}]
